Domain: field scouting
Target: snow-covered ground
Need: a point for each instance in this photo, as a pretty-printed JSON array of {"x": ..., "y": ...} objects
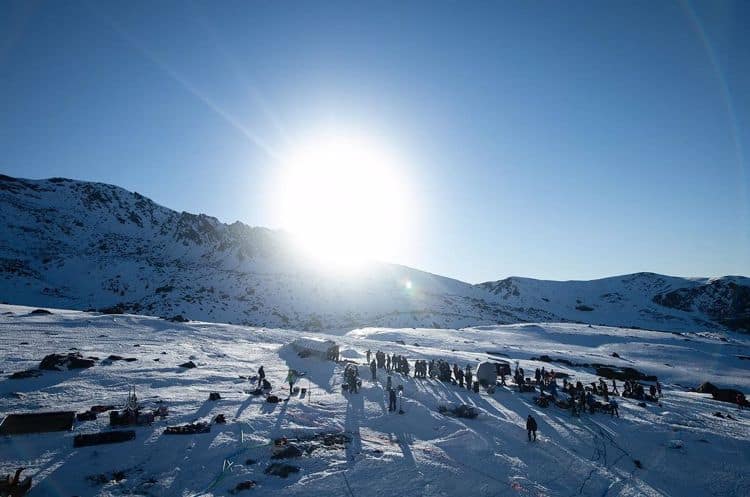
[{"x": 682, "y": 447}]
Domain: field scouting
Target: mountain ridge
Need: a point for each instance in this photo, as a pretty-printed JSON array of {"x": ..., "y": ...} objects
[{"x": 88, "y": 245}]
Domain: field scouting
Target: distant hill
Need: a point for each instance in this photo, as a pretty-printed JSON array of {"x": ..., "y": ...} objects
[{"x": 83, "y": 245}]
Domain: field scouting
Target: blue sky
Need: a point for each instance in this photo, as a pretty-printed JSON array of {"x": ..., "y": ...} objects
[{"x": 560, "y": 140}]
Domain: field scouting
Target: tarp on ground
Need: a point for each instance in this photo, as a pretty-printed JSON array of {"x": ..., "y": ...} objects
[{"x": 38, "y": 422}]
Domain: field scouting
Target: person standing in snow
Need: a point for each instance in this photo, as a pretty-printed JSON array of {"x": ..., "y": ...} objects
[
  {"x": 468, "y": 376},
  {"x": 460, "y": 376},
  {"x": 368, "y": 355},
  {"x": 388, "y": 384},
  {"x": 658, "y": 388},
  {"x": 261, "y": 376},
  {"x": 373, "y": 369},
  {"x": 531, "y": 427},
  {"x": 391, "y": 399},
  {"x": 614, "y": 388},
  {"x": 614, "y": 408},
  {"x": 291, "y": 378}
]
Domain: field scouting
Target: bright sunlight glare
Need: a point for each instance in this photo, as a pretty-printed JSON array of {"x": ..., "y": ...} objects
[{"x": 345, "y": 199}]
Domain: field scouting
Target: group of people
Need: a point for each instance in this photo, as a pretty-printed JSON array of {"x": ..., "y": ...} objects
[
  {"x": 635, "y": 390},
  {"x": 394, "y": 362}
]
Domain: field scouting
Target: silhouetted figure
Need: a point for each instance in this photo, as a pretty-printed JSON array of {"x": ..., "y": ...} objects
[
  {"x": 392, "y": 400},
  {"x": 531, "y": 427},
  {"x": 261, "y": 376}
]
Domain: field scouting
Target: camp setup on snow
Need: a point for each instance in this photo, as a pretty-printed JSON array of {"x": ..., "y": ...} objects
[{"x": 327, "y": 350}]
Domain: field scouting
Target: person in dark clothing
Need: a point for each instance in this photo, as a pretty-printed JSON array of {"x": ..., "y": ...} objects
[
  {"x": 392, "y": 400},
  {"x": 460, "y": 374},
  {"x": 373, "y": 369},
  {"x": 652, "y": 391},
  {"x": 658, "y": 388},
  {"x": 468, "y": 376},
  {"x": 261, "y": 376},
  {"x": 614, "y": 408},
  {"x": 368, "y": 355},
  {"x": 531, "y": 427}
]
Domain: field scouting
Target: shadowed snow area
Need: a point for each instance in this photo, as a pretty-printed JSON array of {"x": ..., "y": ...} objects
[{"x": 682, "y": 448}]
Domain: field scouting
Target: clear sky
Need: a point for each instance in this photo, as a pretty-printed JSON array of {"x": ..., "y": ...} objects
[{"x": 559, "y": 140}]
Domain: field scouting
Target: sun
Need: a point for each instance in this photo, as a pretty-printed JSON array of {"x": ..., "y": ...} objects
[{"x": 345, "y": 199}]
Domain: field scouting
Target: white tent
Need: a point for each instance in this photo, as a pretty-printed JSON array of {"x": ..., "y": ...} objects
[
  {"x": 316, "y": 347},
  {"x": 487, "y": 373}
]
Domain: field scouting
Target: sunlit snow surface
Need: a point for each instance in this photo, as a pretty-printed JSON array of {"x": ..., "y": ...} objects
[{"x": 418, "y": 453}]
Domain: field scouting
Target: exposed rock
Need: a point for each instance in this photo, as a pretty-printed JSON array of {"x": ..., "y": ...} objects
[
  {"x": 29, "y": 373},
  {"x": 243, "y": 485},
  {"x": 286, "y": 451},
  {"x": 72, "y": 360},
  {"x": 188, "y": 365},
  {"x": 280, "y": 469}
]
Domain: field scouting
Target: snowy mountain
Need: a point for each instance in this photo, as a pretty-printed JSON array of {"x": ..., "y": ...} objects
[
  {"x": 644, "y": 300},
  {"x": 82, "y": 245}
]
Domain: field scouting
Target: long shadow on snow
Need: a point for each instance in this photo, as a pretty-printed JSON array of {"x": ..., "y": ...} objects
[{"x": 354, "y": 412}]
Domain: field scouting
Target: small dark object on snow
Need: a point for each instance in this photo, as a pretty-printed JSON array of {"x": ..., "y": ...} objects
[
  {"x": 243, "y": 485},
  {"x": 214, "y": 396},
  {"x": 179, "y": 318},
  {"x": 189, "y": 365},
  {"x": 114, "y": 358},
  {"x": 189, "y": 429},
  {"x": 273, "y": 399},
  {"x": 22, "y": 375},
  {"x": 26, "y": 343},
  {"x": 220, "y": 419},
  {"x": 136, "y": 345},
  {"x": 13, "y": 486},
  {"x": 163, "y": 353},
  {"x": 86, "y": 416},
  {"x": 39, "y": 312},
  {"x": 460, "y": 411},
  {"x": 641, "y": 404},
  {"x": 637, "y": 463},
  {"x": 400, "y": 342},
  {"x": 615, "y": 354},
  {"x": 41, "y": 422},
  {"x": 286, "y": 451},
  {"x": 281, "y": 469},
  {"x": 106, "y": 437},
  {"x": 100, "y": 409},
  {"x": 130, "y": 359},
  {"x": 250, "y": 462},
  {"x": 129, "y": 417},
  {"x": 103, "y": 478}
]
